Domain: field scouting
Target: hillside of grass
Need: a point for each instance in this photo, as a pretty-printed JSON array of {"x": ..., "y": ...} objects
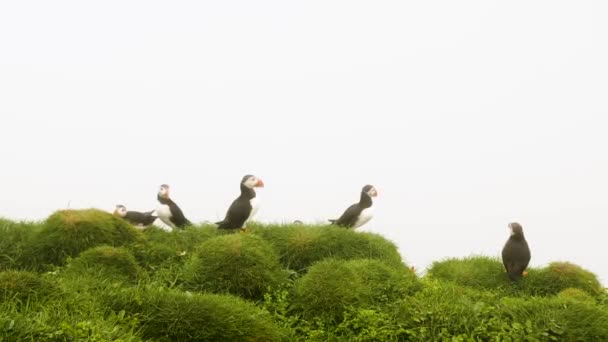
[{"x": 84, "y": 275}]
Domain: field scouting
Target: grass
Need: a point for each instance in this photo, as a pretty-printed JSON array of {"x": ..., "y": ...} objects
[
  {"x": 488, "y": 273},
  {"x": 241, "y": 264},
  {"x": 87, "y": 276}
]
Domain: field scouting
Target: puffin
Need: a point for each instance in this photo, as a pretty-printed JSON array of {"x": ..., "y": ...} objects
[
  {"x": 516, "y": 253},
  {"x": 244, "y": 207},
  {"x": 168, "y": 211},
  {"x": 360, "y": 213},
  {"x": 135, "y": 217}
]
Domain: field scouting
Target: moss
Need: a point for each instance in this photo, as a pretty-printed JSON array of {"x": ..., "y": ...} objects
[{"x": 241, "y": 264}]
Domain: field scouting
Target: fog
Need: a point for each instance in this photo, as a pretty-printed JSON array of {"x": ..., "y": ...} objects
[{"x": 465, "y": 115}]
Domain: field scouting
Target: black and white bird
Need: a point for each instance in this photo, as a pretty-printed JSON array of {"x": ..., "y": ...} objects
[
  {"x": 168, "y": 211},
  {"x": 244, "y": 207},
  {"x": 135, "y": 217},
  {"x": 360, "y": 213},
  {"x": 516, "y": 253}
]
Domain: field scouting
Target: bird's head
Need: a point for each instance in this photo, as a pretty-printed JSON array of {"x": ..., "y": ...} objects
[
  {"x": 120, "y": 211},
  {"x": 163, "y": 191},
  {"x": 252, "y": 181},
  {"x": 370, "y": 190},
  {"x": 516, "y": 228}
]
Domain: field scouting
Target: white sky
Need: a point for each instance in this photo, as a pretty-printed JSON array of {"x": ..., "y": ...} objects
[{"x": 465, "y": 115}]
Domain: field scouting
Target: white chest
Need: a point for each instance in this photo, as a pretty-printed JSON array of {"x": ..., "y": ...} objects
[
  {"x": 164, "y": 213},
  {"x": 366, "y": 215},
  {"x": 255, "y": 206}
]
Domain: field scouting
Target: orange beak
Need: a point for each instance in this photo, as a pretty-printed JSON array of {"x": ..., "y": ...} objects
[{"x": 259, "y": 184}]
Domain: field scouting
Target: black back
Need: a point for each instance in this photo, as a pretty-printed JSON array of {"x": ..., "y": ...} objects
[
  {"x": 137, "y": 217},
  {"x": 177, "y": 216},
  {"x": 239, "y": 210},
  {"x": 516, "y": 256},
  {"x": 351, "y": 214}
]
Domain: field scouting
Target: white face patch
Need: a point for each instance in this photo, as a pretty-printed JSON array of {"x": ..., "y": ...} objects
[
  {"x": 251, "y": 182},
  {"x": 372, "y": 192},
  {"x": 163, "y": 192},
  {"x": 121, "y": 211}
]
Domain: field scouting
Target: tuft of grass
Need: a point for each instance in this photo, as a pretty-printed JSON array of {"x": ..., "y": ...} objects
[
  {"x": 488, "y": 273},
  {"x": 386, "y": 283},
  {"x": 576, "y": 294},
  {"x": 172, "y": 315},
  {"x": 15, "y": 243},
  {"x": 327, "y": 290},
  {"x": 106, "y": 262},
  {"x": 240, "y": 264},
  {"x": 558, "y": 276},
  {"x": 66, "y": 233},
  {"x": 21, "y": 286},
  {"x": 331, "y": 286},
  {"x": 301, "y": 246},
  {"x": 476, "y": 271}
]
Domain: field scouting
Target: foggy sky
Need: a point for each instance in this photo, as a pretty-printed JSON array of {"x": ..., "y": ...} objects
[{"x": 465, "y": 115}]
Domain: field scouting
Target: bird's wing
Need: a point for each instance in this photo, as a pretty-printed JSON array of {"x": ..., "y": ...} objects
[
  {"x": 349, "y": 217},
  {"x": 237, "y": 214},
  {"x": 177, "y": 216}
]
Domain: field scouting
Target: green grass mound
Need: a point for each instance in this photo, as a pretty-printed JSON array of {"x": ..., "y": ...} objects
[
  {"x": 24, "y": 285},
  {"x": 386, "y": 283},
  {"x": 106, "y": 262},
  {"x": 301, "y": 246},
  {"x": 241, "y": 264},
  {"x": 563, "y": 319},
  {"x": 476, "y": 271},
  {"x": 66, "y": 233},
  {"x": 559, "y": 276},
  {"x": 488, "y": 273},
  {"x": 169, "y": 315},
  {"x": 331, "y": 286},
  {"x": 162, "y": 248},
  {"x": 15, "y": 243},
  {"x": 445, "y": 311}
]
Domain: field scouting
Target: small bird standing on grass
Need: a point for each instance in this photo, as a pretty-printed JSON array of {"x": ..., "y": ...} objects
[
  {"x": 516, "y": 253},
  {"x": 360, "y": 213},
  {"x": 244, "y": 207},
  {"x": 135, "y": 217},
  {"x": 168, "y": 211}
]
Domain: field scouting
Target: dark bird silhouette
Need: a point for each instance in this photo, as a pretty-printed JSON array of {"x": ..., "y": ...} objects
[
  {"x": 244, "y": 207},
  {"x": 168, "y": 211},
  {"x": 360, "y": 213},
  {"x": 516, "y": 253},
  {"x": 135, "y": 217}
]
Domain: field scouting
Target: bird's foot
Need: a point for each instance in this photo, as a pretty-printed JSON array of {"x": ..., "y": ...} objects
[
  {"x": 525, "y": 273},
  {"x": 243, "y": 230}
]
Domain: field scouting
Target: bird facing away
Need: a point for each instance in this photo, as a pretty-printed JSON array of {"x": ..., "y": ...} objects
[
  {"x": 168, "y": 211},
  {"x": 516, "y": 253},
  {"x": 244, "y": 207},
  {"x": 135, "y": 217},
  {"x": 360, "y": 213}
]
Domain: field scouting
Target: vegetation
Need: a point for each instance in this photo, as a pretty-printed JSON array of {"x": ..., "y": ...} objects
[{"x": 84, "y": 275}]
